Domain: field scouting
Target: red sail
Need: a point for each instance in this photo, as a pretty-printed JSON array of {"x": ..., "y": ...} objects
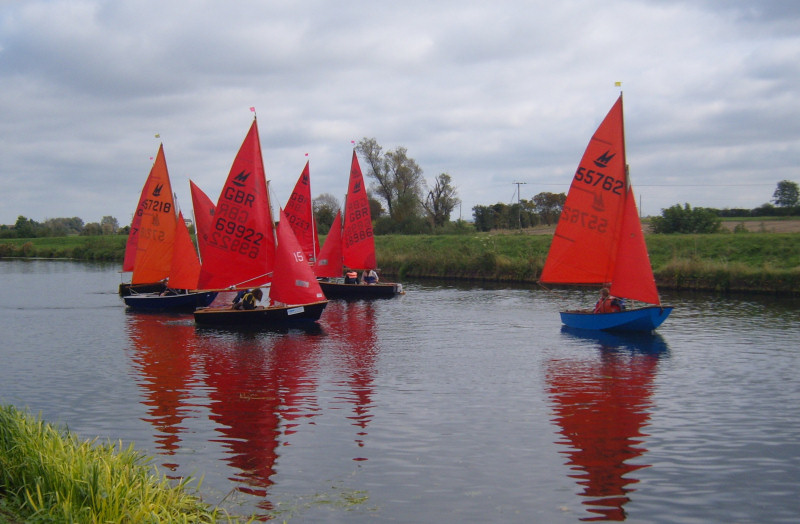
[
  {"x": 599, "y": 237},
  {"x": 133, "y": 236},
  {"x": 185, "y": 265},
  {"x": 329, "y": 262},
  {"x": 633, "y": 277},
  {"x": 241, "y": 247},
  {"x": 203, "y": 217},
  {"x": 358, "y": 247},
  {"x": 301, "y": 217},
  {"x": 294, "y": 281},
  {"x": 584, "y": 246},
  {"x": 157, "y": 228}
]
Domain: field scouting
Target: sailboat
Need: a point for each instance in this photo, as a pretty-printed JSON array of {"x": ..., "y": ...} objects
[
  {"x": 182, "y": 280},
  {"x": 299, "y": 211},
  {"x": 352, "y": 246},
  {"x": 149, "y": 197},
  {"x": 164, "y": 251},
  {"x": 242, "y": 252},
  {"x": 599, "y": 238}
]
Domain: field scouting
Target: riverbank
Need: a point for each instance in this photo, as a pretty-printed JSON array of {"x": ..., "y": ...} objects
[
  {"x": 725, "y": 262},
  {"x": 49, "y": 475}
]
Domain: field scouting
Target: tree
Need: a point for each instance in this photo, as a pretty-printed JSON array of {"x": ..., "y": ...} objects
[
  {"x": 686, "y": 220},
  {"x": 398, "y": 178},
  {"x": 325, "y": 207},
  {"x": 441, "y": 200},
  {"x": 109, "y": 225},
  {"x": 787, "y": 194},
  {"x": 548, "y": 206},
  {"x": 92, "y": 229}
]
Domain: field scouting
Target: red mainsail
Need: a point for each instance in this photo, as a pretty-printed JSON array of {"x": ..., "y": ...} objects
[
  {"x": 203, "y": 217},
  {"x": 599, "y": 238},
  {"x": 157, "y": 227},
  {"x": 329, "y": 262},
  {"x": 300, "y": 215},
  {"x": 241, "y": 247},
  {"x": 358, "y": 248},
  {"x": 294, "y": 281},
  {"x": 133, "y": 236},
  {"x": 185, "y": 268}
]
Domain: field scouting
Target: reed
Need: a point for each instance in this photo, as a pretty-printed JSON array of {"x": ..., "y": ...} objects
[{"x": 52, "y": 476}]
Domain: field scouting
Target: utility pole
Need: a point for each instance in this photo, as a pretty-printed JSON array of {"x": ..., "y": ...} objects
[{"x": 519, "y": 207}]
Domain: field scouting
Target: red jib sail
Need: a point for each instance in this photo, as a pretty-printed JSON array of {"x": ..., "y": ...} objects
[
  {"x": 133, "y": 236},
  {"x": 157, "y": 227},
  {"x": 241, "y": 247},
  {"x": 301, "y": 217},
  {"x": 185, "y": 265},
  {"x": 599, "y": 221},
  {"x": 358, "y": 248},
  {"x": 203, "y": 217},
  {"x": 294, "y": 281},
  {"x": 329, "y": 262}
]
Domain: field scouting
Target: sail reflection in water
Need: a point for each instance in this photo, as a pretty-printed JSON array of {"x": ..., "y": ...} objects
[
  {"x": 602, "y": 403},
  {"x": 163, "y": 354},
  {"x": 356, "y": 354},
  {"x": 257, "y": 387}
]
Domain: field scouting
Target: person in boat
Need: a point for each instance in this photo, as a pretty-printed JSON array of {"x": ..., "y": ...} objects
[
  {"x": 369, "y": 276},
  {"x": 238, "y": 298},
  {"x": 250, "y": 299},
  {"x": 608, "y": 303},
  {"x": 351, "y": 277}
]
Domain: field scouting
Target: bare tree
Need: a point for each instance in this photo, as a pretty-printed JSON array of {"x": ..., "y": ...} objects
[
  {"x": 398, "y": 178},
  {"x": 441, "y": 200}
]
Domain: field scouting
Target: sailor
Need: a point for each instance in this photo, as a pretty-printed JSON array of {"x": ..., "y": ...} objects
[
  {"x": 351, "y": 277},
  {"x": 607, "y": 303}
]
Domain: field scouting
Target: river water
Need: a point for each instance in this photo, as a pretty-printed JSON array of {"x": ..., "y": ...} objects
[{"x": 453, "y": 403}]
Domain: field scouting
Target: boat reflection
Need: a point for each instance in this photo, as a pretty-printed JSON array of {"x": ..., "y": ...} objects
[
  {"x": 163, "y": 356},
  {"x": 602, "y": 405},
  {"x": 259, "y": 387},
  {"x": 353, "y": 324}
]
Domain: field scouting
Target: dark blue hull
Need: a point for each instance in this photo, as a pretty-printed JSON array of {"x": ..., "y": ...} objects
[
  {"x": 645, "y": 319},
  {"x": 182, "y": 302},
  {"x": 360, "y": 291},
  {"x": 155, "y": 287},
  {"x": 261, "y": 316}
]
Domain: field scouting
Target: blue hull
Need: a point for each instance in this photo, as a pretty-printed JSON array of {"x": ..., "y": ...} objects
[
  {"x": 260, "y": 317},
  {"x": 360, "y": 291},
  {"x": 184, "y": 302},
  {"x": 636, "y": 320}
]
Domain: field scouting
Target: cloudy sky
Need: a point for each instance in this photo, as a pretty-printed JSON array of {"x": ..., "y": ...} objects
[{"x": 491, "y": 93}]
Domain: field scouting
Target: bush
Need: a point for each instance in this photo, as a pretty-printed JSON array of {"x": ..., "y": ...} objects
[{"x": 677, "y": 219}]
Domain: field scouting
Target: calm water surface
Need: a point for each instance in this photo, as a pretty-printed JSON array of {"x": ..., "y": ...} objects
[{"x": 451, "y": 404}]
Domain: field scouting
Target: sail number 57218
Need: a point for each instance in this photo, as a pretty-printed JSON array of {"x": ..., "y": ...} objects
[{"x": 585, "y": 219}]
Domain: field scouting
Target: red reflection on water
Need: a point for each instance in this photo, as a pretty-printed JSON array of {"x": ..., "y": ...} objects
[
  {"x": 353, "y": 323},
  {"x": 256, "y": 381},
  {"x": 163, "y": 356},
  {"x": 601, "y": 405}
]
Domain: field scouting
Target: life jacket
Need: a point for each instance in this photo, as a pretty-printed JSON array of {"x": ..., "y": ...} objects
[
  {"x": 351, "y": 277},
  {"x": 249, "y": 301},
  {"x": 607, "y": 305}
]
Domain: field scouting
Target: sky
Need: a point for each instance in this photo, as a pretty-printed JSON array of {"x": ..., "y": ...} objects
[{"x": 491, "y": 93}]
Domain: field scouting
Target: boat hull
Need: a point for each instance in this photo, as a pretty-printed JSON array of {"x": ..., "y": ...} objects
[
  {"x": 360, "y": 291},
  {"x": 633, "y": 320},
  {"x": 154, "y": 287},
  {"x": 261, "y": 316},
  {"x": 182, "y": 302}
]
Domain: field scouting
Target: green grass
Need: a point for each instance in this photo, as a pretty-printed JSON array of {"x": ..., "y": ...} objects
[
  {"x": 49, "y": 475},
  {"x": 767, "y": 262}
]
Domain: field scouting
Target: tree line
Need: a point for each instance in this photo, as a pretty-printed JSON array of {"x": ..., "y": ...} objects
[
  {"x": 61, "y": 227},
  {"x": 403, "y": 202}
]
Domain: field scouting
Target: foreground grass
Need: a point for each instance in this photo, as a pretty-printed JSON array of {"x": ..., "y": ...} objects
[
  {"x": 48, "y": 475},
  {"x": 759, "y": 262}
]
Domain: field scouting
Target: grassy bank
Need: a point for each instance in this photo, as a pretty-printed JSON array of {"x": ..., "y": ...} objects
[
  {"x": 761, "y": 262},
  {"x": 49, "y": 475}
]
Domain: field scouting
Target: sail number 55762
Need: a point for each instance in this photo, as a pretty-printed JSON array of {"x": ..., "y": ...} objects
[{"x": 585, "y": 219}]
